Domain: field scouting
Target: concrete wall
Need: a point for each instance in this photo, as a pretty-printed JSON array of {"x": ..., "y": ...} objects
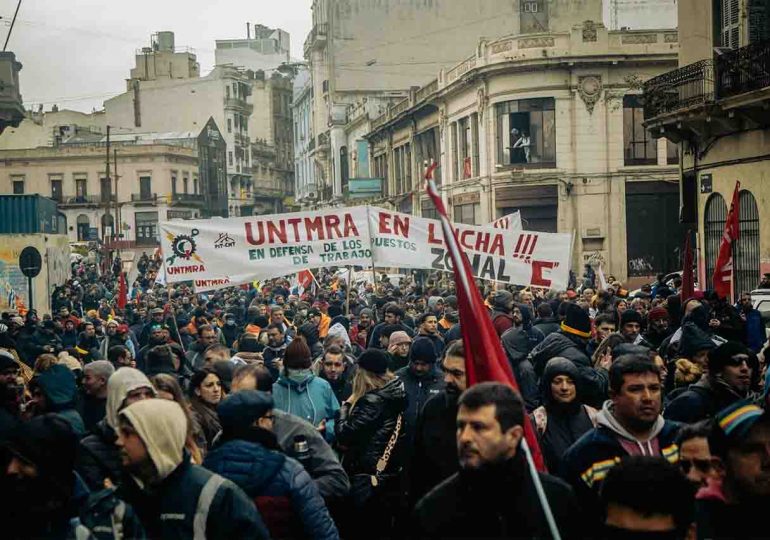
[{"x": 696, "y": 32}]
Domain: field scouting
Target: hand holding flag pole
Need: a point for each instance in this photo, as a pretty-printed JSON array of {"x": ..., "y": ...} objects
[{"x": 485, "y": 359}]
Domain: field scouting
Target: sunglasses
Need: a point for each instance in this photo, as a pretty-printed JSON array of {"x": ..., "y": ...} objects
[
  {"x": 738, "y": 361},
  {"x": 702, "y": 465}
]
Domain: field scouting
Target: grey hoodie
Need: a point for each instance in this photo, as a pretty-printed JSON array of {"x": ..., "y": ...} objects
[{"x": 607, "y": 419}]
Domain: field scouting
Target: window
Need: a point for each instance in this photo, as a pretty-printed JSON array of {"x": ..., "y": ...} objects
[
  {"x": 381, "y": 171},
  {"x": 173, "y": 182},
  {"x": 81, "y": 188},
  {"x": 145, "y": 188},
  {"x": 730, "y": 24},
  {"x": 672, "y": 153},
  {"x": 402, "y": 161},
  {"x": 195, "y": 184},
  {"x": 526, "y": 133},
  {"x": 639, "y": 146},
  {"x": 106, "y": 189},
  {"x": 467, "y": 213},
  {"x": 146, "y": 228},
  {"x": 82, "y": 227},
  {"x": 453, "y": 135},
  {"x": 426, "y": 150},
  {"x": 428, "y": 209},
  {"x": 229, "y": 125},
  {"x": 56, "y": 187},
  {"x": 230, "y": 158},
  {"x": 227, "y": 92},
  {"x": 463, "y": 155},
  {"x": 18, "y": 185},
  {"x": 475, "y": 145}
]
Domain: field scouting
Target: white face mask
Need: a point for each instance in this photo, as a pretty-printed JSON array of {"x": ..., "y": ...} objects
[{"x": 298, "y": 375}]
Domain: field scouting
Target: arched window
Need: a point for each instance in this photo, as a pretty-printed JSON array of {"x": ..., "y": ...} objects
[
  {"x": 746, "y": 254},
  {"x": 108, "y": 221},
  {"x": 82, "y": 226},
  {"x": 713, "y": 227}
]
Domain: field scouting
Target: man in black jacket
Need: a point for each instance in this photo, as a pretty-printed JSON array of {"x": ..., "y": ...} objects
[
  {"x": 546, "y": 322},
  {"x": 468, "y": 504}
]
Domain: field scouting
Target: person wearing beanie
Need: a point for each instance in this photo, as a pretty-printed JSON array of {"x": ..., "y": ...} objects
[
  {"x": 422, "y": 380},
  {"x": 300, "y": 392},
  {"x": 360, "y": 331},
  {"x": 248, "y": 454},
  {"x": 732, "y": 505},
  {"x": 399, "y": 343},
  {"x": 161, "y": 481},
  {"x": 727, "y": 380},
  {"x": 45, "y": 498},
  {"x": 631, "y": 327},
  {"x": 369, "y": 420},
  {"x": 563, "y": 418},
  {"x": 570, "y": 342},
  {"x": 99, "y": 459},
  {"x": 502, "y": 307},
  {"x": 657, "y": 326}
]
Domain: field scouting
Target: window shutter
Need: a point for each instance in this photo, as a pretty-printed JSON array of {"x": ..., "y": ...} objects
[{"x": 731, "y": 24}]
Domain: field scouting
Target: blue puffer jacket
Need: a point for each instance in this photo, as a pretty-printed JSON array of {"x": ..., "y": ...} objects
[
  {"x": 312, "y": 400},
  {"x": 279, "y": 486}
]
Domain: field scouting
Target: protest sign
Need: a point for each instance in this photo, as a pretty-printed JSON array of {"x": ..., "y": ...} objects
[{"x": 510, "y": 221}]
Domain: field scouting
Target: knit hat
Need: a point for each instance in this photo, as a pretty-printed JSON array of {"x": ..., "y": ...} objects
[
  {"x": 297, "y": 355},
  {"x": 162, "y": 426},
  {"x": 630, "y": 316},
  {"x": 501, "y": 299},
  {"x": 373, "y": 360},
  {"x": 694, "y": 340},
  {"x": 7, "y": 361},
  {"x": 397, "y": 338},
  {"x": 577, "y": 322},
  {"x": 239, "y": 411},
  {"x": 738, "y": 418},
  {"x": 720, "y": 356},
  {"x": 423, "y": 351},
  {"x": 657, "y": 313}
]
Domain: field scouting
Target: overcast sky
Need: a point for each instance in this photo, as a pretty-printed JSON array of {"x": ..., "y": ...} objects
[{"x": 77, "y": 53}]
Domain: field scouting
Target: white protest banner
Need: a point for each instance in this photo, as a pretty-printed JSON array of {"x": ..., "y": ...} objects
[
  {"x": 519, "y": 258},
  {"x": 511, "y": 222},
  {"x": 261, "y": 247}
]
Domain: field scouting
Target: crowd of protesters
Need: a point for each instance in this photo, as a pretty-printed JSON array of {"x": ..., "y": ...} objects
[{"x": 343, "y": 411}]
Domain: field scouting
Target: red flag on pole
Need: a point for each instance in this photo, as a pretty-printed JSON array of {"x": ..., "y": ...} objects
[
  {"x": 723, "y": 270},
  {"x": 122, "y": 291},
  {"x": 688, "y": 281},
  {"x": 485, "y": 359}
]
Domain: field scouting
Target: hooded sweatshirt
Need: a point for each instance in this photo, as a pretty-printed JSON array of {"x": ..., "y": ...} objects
[
  {"x": 338, "y": 331},
  {"x": 58, "y": 385},
  {"x": 120, "y": 383},
  {"x": 632, "y": 445},
  {"x": 162, "y": 426}
]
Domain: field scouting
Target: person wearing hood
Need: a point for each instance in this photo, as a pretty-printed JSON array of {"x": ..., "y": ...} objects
[
  {"x": 230, "y": 330},
  {"x": 630, "y": 328},
  {"x": 502, "y": 307},
  {"x": 546, "y": 322},
  {"x": 99, "y": 458},
  {"x": 300, "y": 392},
  {"x": 371, "y": 438},
  {"x": 35, "y": 339},
  {"x": 113, "y": 337},
  {"x": 422, "y": 380},
  {"x": 338, "y": 335},
  {"x": 435, "y": 444},
  {"x": 629, "y": 423},
  {"x": 658, "y": 327},
  {"x": 727, "y": 380},
  {"x": 516, "y": 346},
  {"x": 45, "y": 498},
  {"x": 696, "y": 316},
  {"x": 161, "y": 482},
  {"x": 248, "y": 454},
  {"x": 562, "y": 419},
  {"x": 55, "y": 391}
]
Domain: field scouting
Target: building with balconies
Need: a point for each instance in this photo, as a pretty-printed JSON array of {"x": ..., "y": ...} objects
[
  {"x": 548, "y": 124},
  {"x": 157, "y": 177},
  {"x": 716, "y": 108}
]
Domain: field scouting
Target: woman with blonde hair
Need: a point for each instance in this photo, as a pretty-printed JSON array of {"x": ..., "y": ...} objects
[
  {"x": 371, "y": 438},
  {"x": 168, "y": 388}
]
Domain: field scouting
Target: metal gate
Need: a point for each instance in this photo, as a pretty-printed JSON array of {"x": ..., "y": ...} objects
[
  {"x": 746, "y": 254},
  {"x": 713, "y": 228}
]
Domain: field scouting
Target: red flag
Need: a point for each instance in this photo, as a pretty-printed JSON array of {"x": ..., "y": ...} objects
[
  {"x": 305, "y": 278},
  {"x": 485, "y": 359},
  {"x": 122, "y": 291},
  {"x": 723, "y": 270},
  {"x": 688, "y": 282}
]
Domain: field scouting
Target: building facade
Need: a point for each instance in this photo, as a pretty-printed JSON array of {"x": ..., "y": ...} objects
[
  {"x": 181, "y": 100},
  {"x": 263, "y": 49},
  {"x": 715, "y": 107},
  {"x": 305, "y": 184},
  {"x": 550, "y": 125},
  {"x": 157, "y": 177}
]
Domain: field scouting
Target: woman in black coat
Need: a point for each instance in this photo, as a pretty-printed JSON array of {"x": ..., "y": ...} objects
[{"x": 371, "y": 427}]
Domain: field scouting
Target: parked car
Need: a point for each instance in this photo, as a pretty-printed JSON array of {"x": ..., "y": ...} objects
[{"x": 760, "y": 300}]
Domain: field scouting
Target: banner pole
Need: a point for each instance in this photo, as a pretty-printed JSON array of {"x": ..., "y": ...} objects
[{"x": 347, "y": 291}]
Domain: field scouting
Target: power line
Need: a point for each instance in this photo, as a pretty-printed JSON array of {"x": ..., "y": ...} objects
[{"x": 13, "y": 22}]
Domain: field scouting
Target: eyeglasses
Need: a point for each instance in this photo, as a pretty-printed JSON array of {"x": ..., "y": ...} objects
[{"x": 702, "y": 465}]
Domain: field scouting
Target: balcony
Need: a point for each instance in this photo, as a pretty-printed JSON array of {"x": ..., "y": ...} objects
[
  {"x": 316, "y": 39},
  {"x": 81, "y": 200},
  {"x": 187, "y": 199},
  {"x": 690, "y": 86},
  {"x": 242, "y": 140},
  {"x": 144, "y": 198},
  {"x": 239, "y": 104},
  {"x": 743, "y": 70}
]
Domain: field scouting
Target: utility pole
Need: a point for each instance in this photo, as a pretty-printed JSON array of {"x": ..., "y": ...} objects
[
  {"x": 107, "y": 201},
  {"x": 118, "y": 227}
]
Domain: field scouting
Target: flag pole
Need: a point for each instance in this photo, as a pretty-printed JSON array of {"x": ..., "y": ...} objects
[
  {"x": 451, "y": 243},
  {"x": 347, "y": 291}
]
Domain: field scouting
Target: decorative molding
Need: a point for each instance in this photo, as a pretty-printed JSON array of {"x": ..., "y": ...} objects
[
  {"x": 639, "y": 39},
  {"x": 671, "y": 37},
  {"x": 501, "y": 46},
  {"x": 482, "y": 101},
  {"x": 589, "y": 31},
  {"x": 533, "y": 43},
  {"x": 461, "y": 69},
  {"x": 590, "y": 90}
]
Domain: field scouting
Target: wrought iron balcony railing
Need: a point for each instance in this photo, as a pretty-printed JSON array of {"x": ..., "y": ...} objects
[
  {"x": 743, "y": 70},
  {"x": 679, "y": 89}
]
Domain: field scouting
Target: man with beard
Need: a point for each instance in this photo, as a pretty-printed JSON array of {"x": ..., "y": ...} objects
[
  {"x": 727, "y": 380},
  {"x": 360, "y": 331},
  {"x": 629, "y": 424},
  {"x": 631, "y": 328},
  {"x": 657, "y": 326},
  {"x": 69, "y": 338},
  {"x": 10, "y": 392},
  {"x": 336, "y": 370},
  {"x": 275, "y": 349},
  {"x": 88, "y": 340},
  {"x": 435, "y": 447},
  {"x": 45, "y": 498},
  {"x": 469, "y": 504}
]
